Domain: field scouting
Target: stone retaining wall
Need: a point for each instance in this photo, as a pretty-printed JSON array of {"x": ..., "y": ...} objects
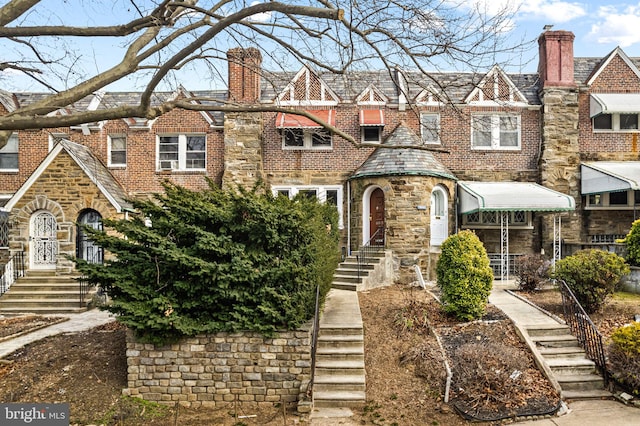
[{"x": 219, "y": 369}]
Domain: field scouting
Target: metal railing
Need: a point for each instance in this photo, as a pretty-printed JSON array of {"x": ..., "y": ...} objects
[
  {"x": 96, "y": 256},
  {"x": 584, "y": 329},
  {"x": 314, "y": 339},
  {"x": 13, "y": 270},
  {"x": 366, "y": 254}
]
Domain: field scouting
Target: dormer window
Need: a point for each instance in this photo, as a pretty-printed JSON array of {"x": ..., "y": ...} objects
[{"x": 371, "y": 125}]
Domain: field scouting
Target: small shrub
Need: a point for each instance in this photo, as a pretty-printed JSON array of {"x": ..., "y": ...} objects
[
  {"x": 624, "y": 356},
  {"x": 592, "y": 275},
  {"x": 531, "y": 272},
  {"x": 464, "y": 276},
  {"x": 632, "y": 241}
]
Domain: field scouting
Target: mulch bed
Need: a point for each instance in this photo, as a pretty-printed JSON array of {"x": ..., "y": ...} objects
[{"x": 11, "y": 327}]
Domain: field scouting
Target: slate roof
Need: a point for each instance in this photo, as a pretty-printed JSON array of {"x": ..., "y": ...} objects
[
  {"x": 98, "y": 173},
  {"x": 406, "y": 161},
  {"x": 583, "y": 68},
  {"x": 455, "y": 85}
]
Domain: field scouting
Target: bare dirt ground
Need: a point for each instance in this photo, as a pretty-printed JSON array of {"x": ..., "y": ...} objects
[{"x": 404, "y": 368}]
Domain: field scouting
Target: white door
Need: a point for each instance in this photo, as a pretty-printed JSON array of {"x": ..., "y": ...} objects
[
  {"x": 439, "y": 217},
  {"x": 44, "y": 244}
]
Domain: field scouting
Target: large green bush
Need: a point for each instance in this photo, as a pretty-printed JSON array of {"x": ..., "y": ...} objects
[
  {"x": 592, "y": 275},
  {"x": 632, "y": 240},
  {"x": 464, "y": 276},
  {"x": 624, "y": 356},
  {"x": 215, "y": 261}
]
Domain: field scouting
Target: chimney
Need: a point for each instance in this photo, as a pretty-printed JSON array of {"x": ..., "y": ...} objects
[
  {"x": 556, "y": 59},
  {"x": 244, "y": 74}
]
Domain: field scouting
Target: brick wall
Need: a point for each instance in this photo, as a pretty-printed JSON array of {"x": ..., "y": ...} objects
[{"x": 222, "y": 368}]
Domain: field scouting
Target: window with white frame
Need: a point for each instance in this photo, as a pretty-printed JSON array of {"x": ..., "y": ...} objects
[
  {"x": 306, "y": 138},
  {"x": 9, "y": 154},
  {"x": 491, "y": 219},
  {"x": 117, "y": 148},
  {"x": 430, "y": 127},
  {"x": 371, "y": 134},
  {"x": 615, "y": 122},
  {"x": 331, "y": 194},
  {"x": 182, "y": 152},
  {"x": 495, "y": 131}
]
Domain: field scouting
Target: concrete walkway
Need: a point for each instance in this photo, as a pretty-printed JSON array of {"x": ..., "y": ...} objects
[
  {"x": 75, "y": 323},
  {"x": 580, "y": 413}
]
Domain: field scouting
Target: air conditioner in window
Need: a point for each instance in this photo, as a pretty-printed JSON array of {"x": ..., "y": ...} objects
[{"x": 169, "y": 165}]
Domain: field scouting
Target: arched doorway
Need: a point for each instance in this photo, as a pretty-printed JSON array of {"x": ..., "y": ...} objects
[
  {"x": 43, "y": 241},
  {"x": 86, "y": 249},
  {"x": 376, "y": 217},
  {"x": 439, "y": 216}
]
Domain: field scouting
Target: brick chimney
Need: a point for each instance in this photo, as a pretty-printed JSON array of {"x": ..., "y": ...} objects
[
  {"x": 244, "y": 74},
  {"x": 556, "y": 59}
]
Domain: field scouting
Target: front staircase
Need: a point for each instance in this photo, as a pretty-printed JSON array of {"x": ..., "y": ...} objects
[
  {"x": 43, "y": 293},
  {"x": 339, "y": 375},
  {"x": 576, "y": 374}
]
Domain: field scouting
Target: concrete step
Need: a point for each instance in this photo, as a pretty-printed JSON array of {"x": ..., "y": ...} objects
[
  {"x": 571, "y": 366},
  {"x": 328, "y": 367},
  {"x": 562, "y": 352},
  {"x": 15, "y": 294},
  {"x": 352, "y": 264},
  {"x": 28, "y": 303},
  {"x": 40, "y": 310},
  {"x": 556, "y": 341},
  {"x": 354, "y": 279},
  {"x": 337, "y": 399},
  {"x": 588, "y": 394},
  {"x": 548, "y": 330},
  {"x": 580, "y": 382},
  {"x": 354, "y": 357},
  {"x": 352, "y": 272},
  {"x": 349, "y": 383},
  {"x": 344, "y": 286},
  {"x": 339, "y": 331},
  {"x": 340, "y": 350}
]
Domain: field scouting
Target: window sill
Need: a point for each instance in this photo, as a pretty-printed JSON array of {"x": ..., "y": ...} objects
[
  {"x": 117, "y": 166},
  {"x": 9, "y": 170},
  {"x": 304, "y": 148},
  {"x": 181, "y": 172}
]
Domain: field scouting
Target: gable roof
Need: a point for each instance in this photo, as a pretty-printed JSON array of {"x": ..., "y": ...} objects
[
  {"x": 402, "y": 161},
  {"x": 607, "y": 59},
  {"x": 92, "y": 167},
  {"x": 495, "y": 88},
  {"x": 307, "y": 88}
]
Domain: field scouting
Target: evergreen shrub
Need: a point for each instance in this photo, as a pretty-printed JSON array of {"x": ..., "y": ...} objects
[
  {"x": 624, "y": 356},
  {"x": 193, "y": 262},
  {"x": 632, "y": 241},
  {"x": 464, "y": 276},
  {"x": 592, "y": 275}
]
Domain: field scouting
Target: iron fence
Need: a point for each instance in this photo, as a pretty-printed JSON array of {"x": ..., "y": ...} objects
[{"x": 583, "y": 328}]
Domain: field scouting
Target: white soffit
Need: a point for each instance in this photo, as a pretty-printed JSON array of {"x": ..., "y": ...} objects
[
  {"x": 609, "y": 176},
  {"x": 511, "y": 196},
  {"x": 614, "y": 103}
]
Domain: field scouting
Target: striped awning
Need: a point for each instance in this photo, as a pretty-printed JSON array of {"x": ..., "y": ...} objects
[
  {"x": 511, "y": 196},
  {"x": 371, "y": 117},
  {"x": 290, "y": 120}
]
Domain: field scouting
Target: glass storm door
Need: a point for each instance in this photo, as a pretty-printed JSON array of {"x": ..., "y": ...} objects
[
  {"x": 439, "y": 217},
  {"x": 85, "y": 248},
  {"x": 44, "y": 243}
]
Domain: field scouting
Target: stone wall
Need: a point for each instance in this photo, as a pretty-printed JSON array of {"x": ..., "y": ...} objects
[
  {"x": 215, "y": 370},
  {"x": 560, "y": 159},
  {"x": 242, "y": 149}
]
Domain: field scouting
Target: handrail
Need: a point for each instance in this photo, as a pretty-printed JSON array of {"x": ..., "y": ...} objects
[
  {"x": 13, "y": 270},
  {"x": 365, "y": 254},
  {"x": 85, "y": 286},
  {"x": 584, "y": 329},
  {"x": 314, "y": 339}
]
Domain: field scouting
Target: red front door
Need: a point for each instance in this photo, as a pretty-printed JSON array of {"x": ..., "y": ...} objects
[{"x": 376, "y": 217}]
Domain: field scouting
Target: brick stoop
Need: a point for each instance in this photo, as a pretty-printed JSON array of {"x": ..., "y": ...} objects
[{"x": 43, "y": 293}]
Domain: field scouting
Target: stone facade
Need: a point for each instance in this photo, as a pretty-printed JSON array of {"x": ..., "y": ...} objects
[
  {"x": 215, "y": 370},
  {"x": 242, "y": 150}
]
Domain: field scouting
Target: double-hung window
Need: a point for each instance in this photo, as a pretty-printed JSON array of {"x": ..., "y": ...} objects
[
  {"x": 330, "y": 194},
  {"x": 495, "y": 131},
  {"x": 615, "y": 122},
  {"x": 430, "y": 128},
  {"x": 307, "y": 138},
  {"x": 117, "y": 147},
  {"x": 9, "y": 154},
  {"x": 182, "y": 152}
]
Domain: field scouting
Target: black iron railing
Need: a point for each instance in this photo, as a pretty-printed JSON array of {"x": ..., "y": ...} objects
[
  {"x": 13, "y": 270},
  {"x": 93, "y": 256},
  {"x": 366, "y": 254},
  {"x": 583, "y": 328},
  {"x": 314, "y": 339}
]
